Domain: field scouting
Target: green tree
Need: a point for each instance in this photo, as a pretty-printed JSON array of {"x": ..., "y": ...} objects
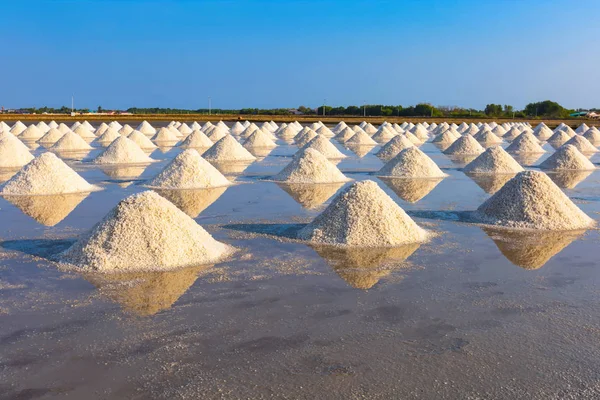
[{"x": 493, "y": 110}]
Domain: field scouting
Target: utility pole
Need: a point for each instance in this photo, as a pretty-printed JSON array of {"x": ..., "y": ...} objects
[
  {"x": 324, "y": 102},
  {"x": 73, "y": 104},
  {"x": 209, "y": 105},
  {"x": 364, "y": 108}
]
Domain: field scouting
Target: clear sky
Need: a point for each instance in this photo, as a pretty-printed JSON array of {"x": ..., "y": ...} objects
[{"x": 246, "y": 53}]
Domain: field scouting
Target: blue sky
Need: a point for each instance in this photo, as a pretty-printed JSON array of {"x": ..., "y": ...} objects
[{"x": 265, "y": 54}]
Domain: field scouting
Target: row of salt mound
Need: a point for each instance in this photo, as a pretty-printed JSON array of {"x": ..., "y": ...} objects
[
  {"x": 393, "y": 147},
  {"x": 141, "y": 140},
  {"x": 593, "y": 135},
  {"x": 411, "y": 163},
  {"x": 258, "y": 138},
  {"x": 465, "y": 145},
  {"x": 123, "y": 151},
  {"x": 567, "y": 157},
  {"x": 13, "y": 153},
  {"x": 228, "y": 149},
  {"x": 531, "y": 200},
  {"x": 71, "y": 142},
  {"x": 52, "y": 136},
  {"x": 325, "y": 147},
  {"x": 494, "y": 160},
  {"x": 144, "y": 232},
  {"x": 197, "y": 139},
  {"x": 188, "y": 171},
  {"x": 45, "y": 175},
  {"x": 310, "y": 166},
  {"x": 526, "y": 142},
  {"x": 361, "y": 138}
]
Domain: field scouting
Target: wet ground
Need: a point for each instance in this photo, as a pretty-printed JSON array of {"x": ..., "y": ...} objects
[{"x": 474, "y": 314}]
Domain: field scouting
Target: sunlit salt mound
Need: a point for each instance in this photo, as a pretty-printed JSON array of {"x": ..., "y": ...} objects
[
  {"x": 393, "y": 147},
  {"x": 512, "y": 133},
  {"x": 228, "y": 149},
  {"x": 17, "y": 128},
  {"x": 486, "y": 136},
  {"x": 217, "y": 133},
  {"x": 184, "y": 129},
  {"x": 325, "y": 131},
  {"x": 363, "y": 215},
  {"x": 125, "y": 130},
  {"x": 420, "y": 132},
  {"x": 71, "y": 141},
  {"x": 310, "y": 166},
  {"x": 123, "y": 151},
  {"x": 344, "y": 134},
  {"x": 593, "y": 135},
  {"x": 582, "y": 144},
  {"x": 287, "y": 132},
  {"x": 415, "y": 140},
  {"x": 165, "y": 134},
  {"x": 567, "y": 157},
  {"x": 531, "y": 200},
  {"x": 4, "y": 127},
  {"x": 325, "y": 147},
  {"x": 559, "y": 138},
  {"x": 197, "y": 139},
  {"x": 525, "y": 143},
  {"x": 361, "y": 138},
  {"x": 447, "y": 137},
  {"x": 384, "y": 135},
  {"x": 141, "y": 140},
  {"x": 188, "y": 171},
  {"x": 465, "y": 145},
  {"x": 84, "y": 132},
  {"x": 46, "y": 174},
  {"x": 145, "y": 232},
  {"x": 499, "y": 131},
  {"x": 236, "y": 128},
  {"x": 52, "y": 136},
  {"x": 411, "y": 163},
  {"x": 13, "y": 153},
  {"x": 494, "y": 160},
  {"x": 543, "y": 132},
  {"x": 109, "y": 136},
  {"x": 146, "y": 128},
  {"x": 32, "y": 132},
  {"x": 115, "y": 125},
  {"x": 259, "y": 138}
]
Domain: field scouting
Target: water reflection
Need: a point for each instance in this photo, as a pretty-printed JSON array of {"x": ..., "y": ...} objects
[
  {"x": 310, "y": 196},
  {"x": 360, "y": 150},
  {"x": 528, "y": 249},
  {"x": 411, "y": 190},
  {"x": 490, "y": 183},
  {"x": 47, "y": 210},
  {"x": 527, "y": 159},
  {"x": 462, "y": 160},
  {"x": 194, "y": 201},
  {"x": 260, "y": 152},
  {"x": 362, "y": 268},
  {"x": 74, "y": 155},
  {"x": 7, "y": 173},
  {"x": 231, "y": 168},
  {"x": 124, "y": 171},
  {"x": 568, "y": 179}
]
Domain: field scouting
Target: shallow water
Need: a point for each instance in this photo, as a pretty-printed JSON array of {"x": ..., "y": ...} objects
[{"x": 474, "y": 314}]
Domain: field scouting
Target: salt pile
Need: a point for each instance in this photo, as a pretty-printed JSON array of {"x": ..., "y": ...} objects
[
  {"x": 415, "y": 140},
  {"x": 13, "y": 153},
  {"x": 411, "y": 163},
  {"x": 197, "y": 139},
  {"x": 384, "y": 135},
  {"x": 259, "y": 139},
  {"x": 593, "y": 135},
  {"x": 325, "y": 131},
  {"x": 558, "y": 139},
  {"x": 125, "y": 130},
  {"x": 543, "y": 133},
  {"x": 63, "y": 128},
  {"x": 188, "y": 171},
  {"x": 393, "y": 147},
  {"x": 525, "y": 143},
  {"x": 115, "y": 125},
  {"x": 567, "y": 157},
  {"x": 17, "y": 128},
  {"x": 141, "y": 140},
  {"x": 361, "y": 138},
  {"x": 582, "y": 128},
  {"x": 245, "y": 133},
  {"x": 146, "y": 128},
  {"x": 46, "y": 174},
  {"x": 486, "y": 136},
  {"x": 123, "y": 151},
  {"x": 101, "y": 129},
  {"x": 531, "y": 200},
  {"x": 447, "y": 137},
  {"x": 109, "y": 136},
  {"x": 228, "y": 149},
  {"x": 52, "y": 136},
  {"x": 88, "y": 125},
  {"x": 512, "y": 133},
  {"x": 345, "y": 134},
  {"x": 302, "y": 139},
  {"x": 71, "y": 142},
  {"x": 494, "y": 160},
  {"x": 4, "y": 127},
  {"x": 363, "y": 215},
  {"x": 237, "y": 128},
  {"x": 369, "y": 129},
  {"x": 84, "y": 132},
  {"x": 420, "y": 132},
  {"x": 310, "y": 166},
  {"x": 465, "y": 145},
  {"x": 582, "y": 144},
  {"x": 184, "y": 129},
  {"x": 32, "y": 132},
  {"x": 165, "y": 135},
  {"x": 145, "y": 232},
  {"x": 287, "y": 132},
  {"x": 217, "y": 133},
  {"x": 207, "y": 125},
  {"x": 499, "y": 131},
  {"x": 325, "y": 147}
]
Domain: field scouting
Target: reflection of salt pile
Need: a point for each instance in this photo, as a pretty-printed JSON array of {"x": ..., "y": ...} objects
[
  {"x": 567, "y": 157},
  {"x": 188, "y": 171},
  {"x": 141, "y": 140},
  {"x": 465, "y": 145},
  {"x": 310, "y": 166},
  {"x": 123, "y": 151},
  {"x": 582, "y": 144},
  {"x": 525, "y": 143},
  {"x": 228, "y": 149},
  {"x": 197, "y": 139},
  {"x": 48, "y": 210},
  {"x": 13, "y": 153},
  {"x": 493, "y": 161},
  {"x": 192, "y": 201},
  {"x": 52, "y": 136},
  {"x": 411, "y": 190},
  {"x": 393, "y": 147},
  {"x": 530, "y": 250},
  {"x": 363, "y": 215},
  {"x": 325, "y": 147},
  {"x": 71, "y": 142},
  {"x": 411, "y": 163},
  {"x": 531, "y": 200},
  {"x": 569, "y": 179},
  {"x": 123, "y": 171},
  {"x": 310, "y": 195},
  {"x": 46, "y": 174},
  {"x": 491, "y": 183},
  {"x": 145, "y": 232}
]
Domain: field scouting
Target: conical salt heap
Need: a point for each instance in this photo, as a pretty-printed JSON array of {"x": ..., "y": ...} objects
[
  {"x": 567, "y": 129},
  {"x": 146, "y": 128},
  {"x": 582, "y": 128},
  {"x": 188, "y": 171},
  {"x": 109, "y": 136},
  {"x": 344, "y": 135},
  {"x": 384, "y": 135},
  {"x": 325, "y": 131},
  {"x": 165, "y": 135},
  {"x": 42, "y": 126},
  {"x": 543, "y": 133},
  {"x": 145, "y": 232},
  {"x": 487, "y": 137},
  {"x": 63, "y": 128},
  {"x": 361, "y": 138},
  {"x": 525, "y": 143},
  {"x": 494, "y": 160},
  {"x": 370, "y": 129},
  {"x": 499, "y": 131},
  {"x": 46, "y": 174},
  {"x": 259, "y": 139},
  {"x": 310, "y": 166},
  {"x": 17, "y": 128},
  {"x": 197, "y": 139},
  {"x": 71, "y": 141},
  {"x": 52, "y": 136},
  {"x": 567, "y": 157},
  {"x": 13, "y": 153},
  {"x": 325, "y": 147},
  {"x": 465, "y": 145},
  {"x": 84, "y": 132},
  {"x": 593, "y": 135},
  {"x": 32, "y": 132},
  {"x": 184, "y": 129},
  {"x": 411, "y": 163},
  {"x": 559, "y": 138},
  {"x": 125, "y": 130},
  {"x": 4, "y": 127},
  {"x": 582, "y": 144},
  {"x": 420, "y": 132},
  {"x": 393, "y": 147},
  {"x": 228, "y": 149},
  {"x": 236, "y": 128},
  {"x": 101, "y": 129},
  {"x": 115, "y": 125},
  {"x": 512, "y": 133},
  {"x": 287, "y": 132},
  {"x": 217, "y": 133},
  {"x": 123, "y": 151},
  {"x": 531, "y": 200},
  {"x": 415, "y": 140},
  {"x": 302, "y": 138},
  {"x": 447, "y": 137},
  {"x": 141, "y": 140},
  {"x": 363, "y": 215}
]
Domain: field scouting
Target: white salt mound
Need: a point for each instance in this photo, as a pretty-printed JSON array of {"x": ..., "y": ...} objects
[
  {"x": 582, "y": 144},
  {"x": 32, "y": 132},
  {"x": 228, "y": 149},
  {"x": 63, "y": 128},
  {"x": 494, "y": 160},
  {"x": 217, "y": 133},
  {"x": 487, "y": 137},
  {"x": 109, "y": 136},
  {"x": 302, "y": 138},
  {"x": 84, "y": 132},
  {"x": 310, "y": 166},
  {"x": 411, "y": 163},
  {"x": 363, "y": 215},
  {"x": 559, "y": 138},
  {"x": 593, "y": 135},
  {"x": 146, "y": 128},
  {"x": 123, "y": 151},
  {"x": 125, "y": 130},
  {"x": 465, "y": 145},
  {"x": 361, "y": 138},
  {"x": 344, "y": 134},
  {"x": 13, "y": 153},
  {"x": 526, "y": 142},
  {"x": 531, "y": 200},
  {"x": 384, "y": 135},
  {"x": 188, "y": 171},
  {"x": 165, "y": 135},
  {"x": 567, "y": 157},
  {"x": 197, "y": 139},
  {"x": 71, "y": 141},
  {"x": 259, "y": 139},
  {"x": 141, "y": 140},
  {"x": 393, "y": 147},
  {"x": 324, "y": 146},
  {"x": 447, "y": 137},
  {"x": 52, "y": 136},
  {"x": 145, "y": 232},
  {"x": 17, "y": 128},
  {"x": 46, "y": 174}
]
